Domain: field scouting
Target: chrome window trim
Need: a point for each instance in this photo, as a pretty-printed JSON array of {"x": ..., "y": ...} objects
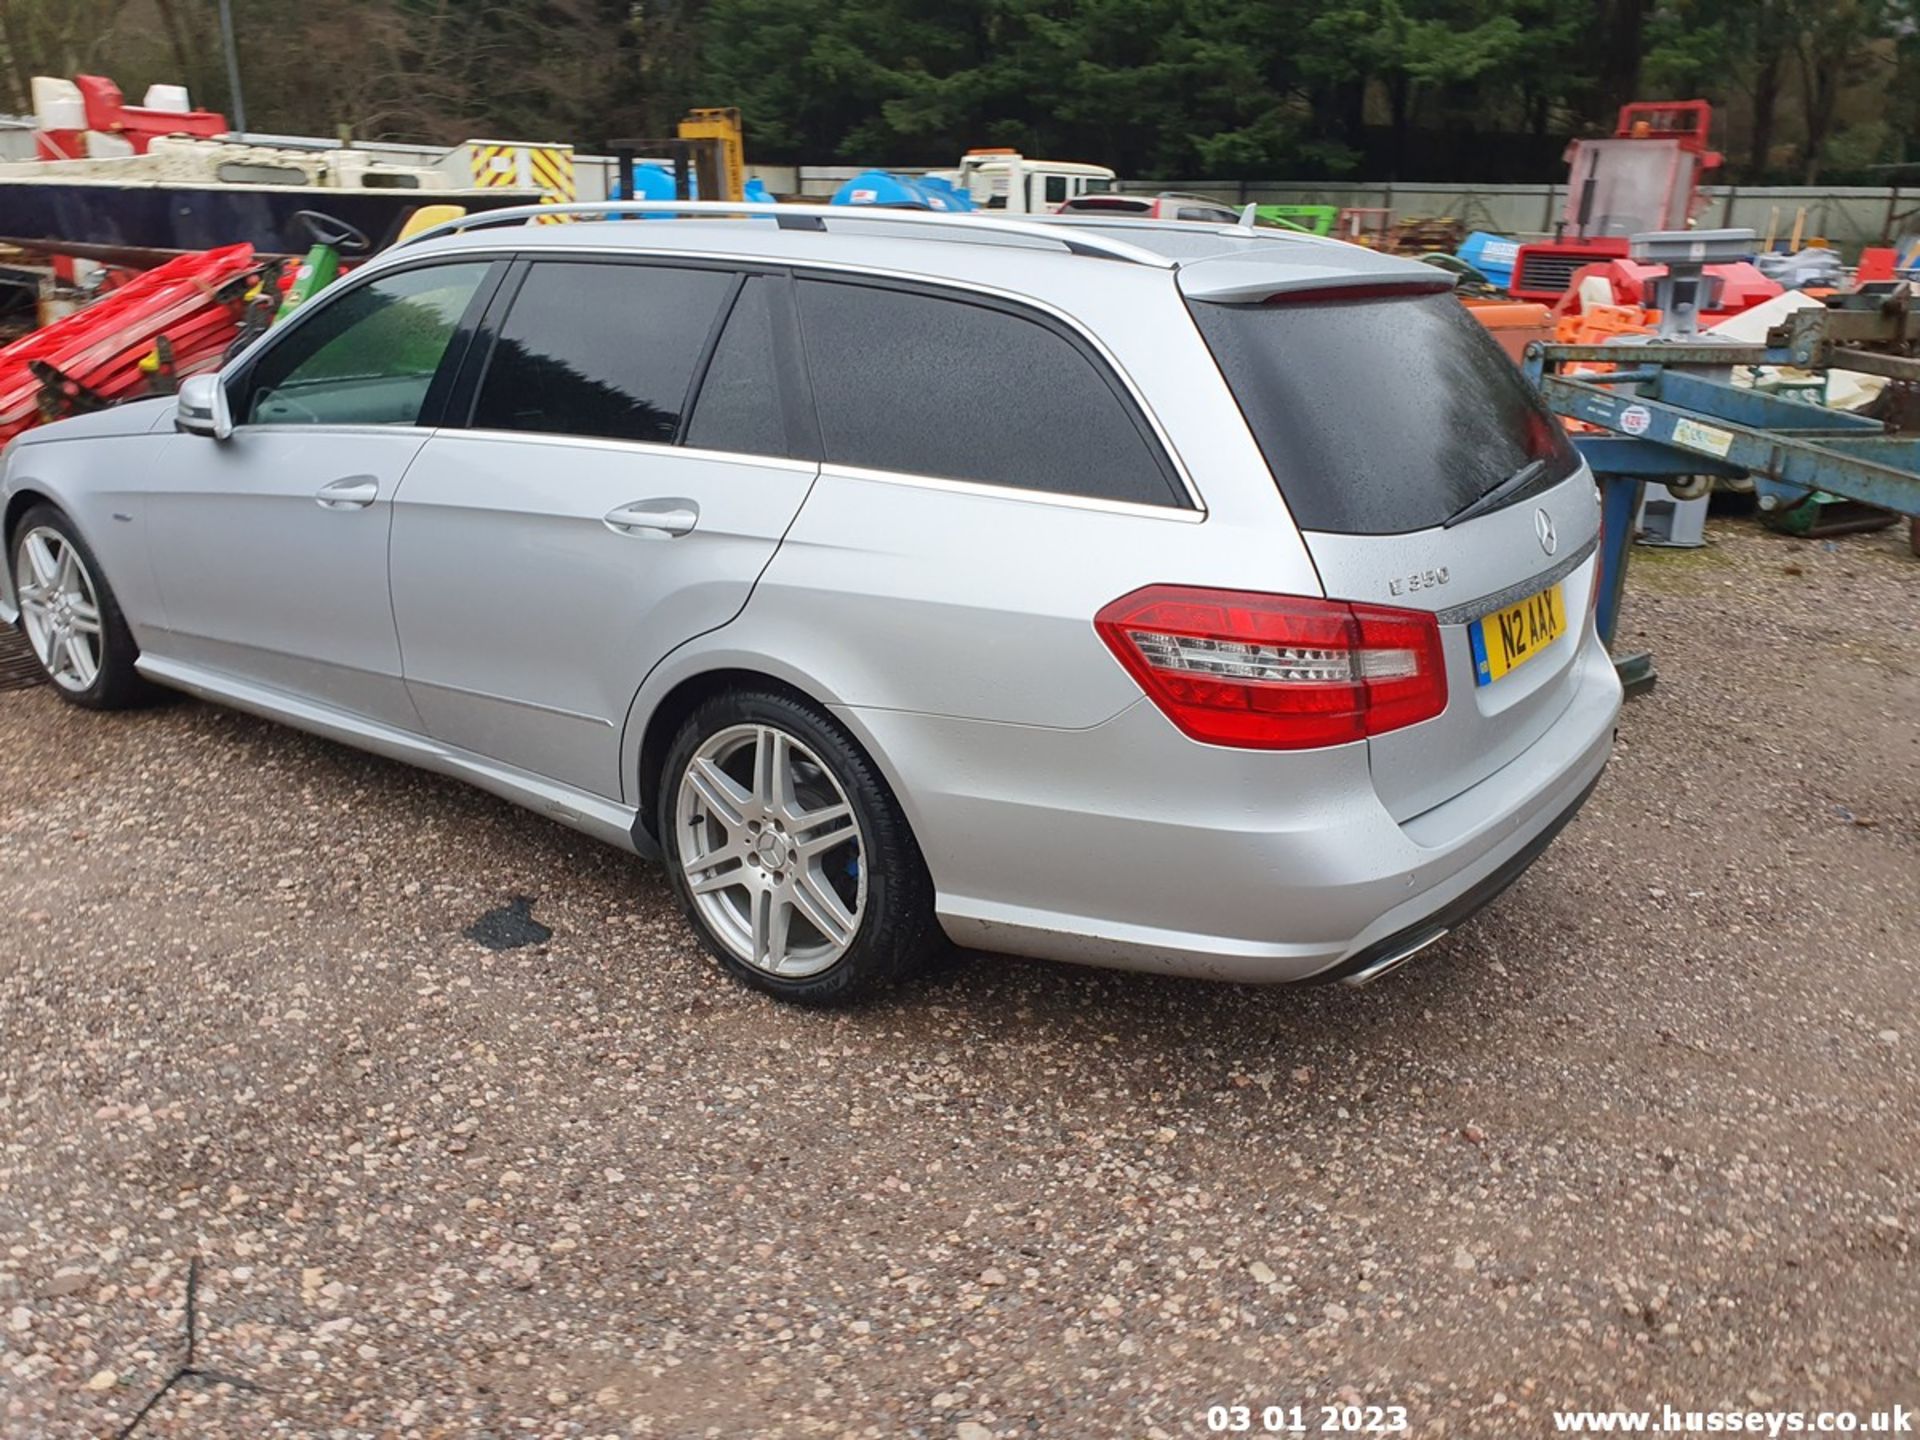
[
  {"x": 989, "y": 491},
  {"x": 333, "y": 427},
  {"x": 645, "y": 447},
  {"x": 800, "y": 267}
]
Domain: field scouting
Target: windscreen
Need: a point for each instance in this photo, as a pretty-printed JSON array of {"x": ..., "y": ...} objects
[{"x": 1384, "y": 414}]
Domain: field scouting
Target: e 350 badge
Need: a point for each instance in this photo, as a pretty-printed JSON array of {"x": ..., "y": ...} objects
[{"x": 1419, "y": 580}]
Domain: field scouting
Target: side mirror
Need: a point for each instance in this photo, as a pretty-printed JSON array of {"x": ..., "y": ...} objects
[{"x": 201, "y": 408}]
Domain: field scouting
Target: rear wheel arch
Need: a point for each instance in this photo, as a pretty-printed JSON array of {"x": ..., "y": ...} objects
[{"x": 688, "y": 694}]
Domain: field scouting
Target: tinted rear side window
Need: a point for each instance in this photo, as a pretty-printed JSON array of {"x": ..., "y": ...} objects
[
  {"x": 739, "y": 404},
  {"x": 1379, "y": 416},
  {"x": 601, "y": 350},
  {"x": 928, "y": 385}
]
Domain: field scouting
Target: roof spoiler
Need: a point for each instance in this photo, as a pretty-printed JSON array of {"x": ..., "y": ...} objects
[{"x": 1256, "y": 280}]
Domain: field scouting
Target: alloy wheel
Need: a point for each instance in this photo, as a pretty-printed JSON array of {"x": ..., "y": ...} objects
[
  {"x": 772, "y": 851},
  {"x": 60, "y": 608}
]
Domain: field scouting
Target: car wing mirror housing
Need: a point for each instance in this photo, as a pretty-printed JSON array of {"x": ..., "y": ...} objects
[{"x": 201, "y": 408}]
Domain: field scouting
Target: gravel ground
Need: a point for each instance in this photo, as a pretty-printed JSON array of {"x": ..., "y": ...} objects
[{"x": 1645, "y": 1131}]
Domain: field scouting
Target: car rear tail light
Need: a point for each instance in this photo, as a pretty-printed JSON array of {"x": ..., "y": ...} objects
[{"x": 1277, "y": 672}]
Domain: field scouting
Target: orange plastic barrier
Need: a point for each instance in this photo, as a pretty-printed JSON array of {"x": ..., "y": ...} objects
[
  {"x": 1513, "y": 323},
  {"x": 1596, "y": 327}
]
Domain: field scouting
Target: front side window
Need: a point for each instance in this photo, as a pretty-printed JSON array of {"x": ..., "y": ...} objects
[
  {"x": 1056, "y": 189},
  {"x": 367, "y": 356},
  {"x": 600, "y": 350},
  {"x": 941, "y": 386}
]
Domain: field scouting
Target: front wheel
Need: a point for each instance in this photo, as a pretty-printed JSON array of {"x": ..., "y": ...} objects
[
  {"x": 789, "y": 853},
  {"x": 70, "y": 616}
]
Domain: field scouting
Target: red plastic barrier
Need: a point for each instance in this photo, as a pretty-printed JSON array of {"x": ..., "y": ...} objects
[
  {"x": 101, "y": 347},
  {"x": 1876, "y": 263}
]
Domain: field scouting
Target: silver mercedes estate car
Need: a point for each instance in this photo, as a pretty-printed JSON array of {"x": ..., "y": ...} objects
[{"x": 1175, "y": 597}]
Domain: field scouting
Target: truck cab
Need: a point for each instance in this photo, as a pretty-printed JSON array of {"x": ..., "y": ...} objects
[{"x": 1004, "y": 179}]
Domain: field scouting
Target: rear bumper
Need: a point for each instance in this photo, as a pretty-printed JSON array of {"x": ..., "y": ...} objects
[
  {"x": 1131, "y": 847},
  {"x": 1384, "y": 955}
]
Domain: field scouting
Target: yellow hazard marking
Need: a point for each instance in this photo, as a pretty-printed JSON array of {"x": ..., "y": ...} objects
[
  {"x": 546, "y": 168},
  {"x": 495, "y": 167},
  {"x": 553, "y": 174}
]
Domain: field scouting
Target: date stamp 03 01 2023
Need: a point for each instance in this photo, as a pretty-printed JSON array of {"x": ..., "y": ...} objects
[{"x": 1307, "y": 1419}]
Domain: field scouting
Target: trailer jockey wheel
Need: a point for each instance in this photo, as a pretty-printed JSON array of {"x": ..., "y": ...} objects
[{"x": 61, "y": 395}]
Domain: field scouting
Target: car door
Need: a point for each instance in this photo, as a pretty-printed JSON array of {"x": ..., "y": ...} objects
[
  {"x": 632, "y": 461},
  {"x": 270, "y": 547}
]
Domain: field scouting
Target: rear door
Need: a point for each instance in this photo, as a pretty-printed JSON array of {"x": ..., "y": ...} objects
[
  {"x": 1425, "y": 474},
  {"x": 626, "y": 475}
]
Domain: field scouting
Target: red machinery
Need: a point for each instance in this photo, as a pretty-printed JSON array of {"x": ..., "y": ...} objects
[
  {"x": 1647, "y": 177},
  {"x": 107, "y": 112}
]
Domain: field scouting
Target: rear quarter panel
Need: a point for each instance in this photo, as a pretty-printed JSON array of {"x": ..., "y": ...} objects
[{"x": 897, "y": 593}]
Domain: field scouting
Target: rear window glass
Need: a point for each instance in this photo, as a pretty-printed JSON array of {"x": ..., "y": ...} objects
[
  {"x": 925, "y": 385},
  {"x": 739, "y": 404},
  {"x": 1382, "y": 415}
]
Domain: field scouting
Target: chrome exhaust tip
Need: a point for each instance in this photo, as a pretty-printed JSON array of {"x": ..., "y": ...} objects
[{"x": 1392, "y": 960}]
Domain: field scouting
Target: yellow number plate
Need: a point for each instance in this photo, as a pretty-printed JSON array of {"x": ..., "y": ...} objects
[{"x": 1516, "y": 634}]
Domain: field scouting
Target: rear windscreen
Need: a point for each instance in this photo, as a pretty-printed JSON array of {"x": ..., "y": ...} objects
[{"x": 1382, "y": 415}]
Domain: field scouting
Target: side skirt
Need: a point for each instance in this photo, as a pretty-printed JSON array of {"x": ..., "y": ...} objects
[{"x": 605, "y": 820}]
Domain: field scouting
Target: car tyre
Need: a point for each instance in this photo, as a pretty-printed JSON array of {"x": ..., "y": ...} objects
[
  {"x": 70, "y": 616},
  {"x": 789, "y": 852}
]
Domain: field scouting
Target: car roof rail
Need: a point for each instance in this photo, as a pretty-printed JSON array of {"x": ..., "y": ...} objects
[
  {"x": 1093, "y": 219},
  {"x": 811, "y": 217}
]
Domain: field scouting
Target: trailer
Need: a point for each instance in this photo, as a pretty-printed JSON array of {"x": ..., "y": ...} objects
[{"x": 1670, "y": 413}]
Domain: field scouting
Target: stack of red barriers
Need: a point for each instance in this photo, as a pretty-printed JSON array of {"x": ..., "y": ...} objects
[{"x": 194, "y": 304}]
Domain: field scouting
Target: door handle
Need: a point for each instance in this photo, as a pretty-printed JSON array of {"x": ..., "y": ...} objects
[
  {"x": 356, "y": 492},
  {"x": 654, "y": 519}
]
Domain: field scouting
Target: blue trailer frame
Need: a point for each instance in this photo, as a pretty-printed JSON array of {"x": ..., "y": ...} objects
[{"x": 1667, "y": 414}]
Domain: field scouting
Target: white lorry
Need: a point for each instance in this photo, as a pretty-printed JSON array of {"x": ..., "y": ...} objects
[{"x": 1005, "y": 180}]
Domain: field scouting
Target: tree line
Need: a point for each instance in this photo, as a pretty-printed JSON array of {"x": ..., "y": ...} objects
[{"x": 1486, "y": 90}]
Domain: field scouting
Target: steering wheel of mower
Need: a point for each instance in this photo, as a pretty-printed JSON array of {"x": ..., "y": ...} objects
[{"x": 336, "y": 234}]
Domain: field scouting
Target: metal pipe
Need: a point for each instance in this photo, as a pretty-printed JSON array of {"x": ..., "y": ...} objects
[{"x": 233, "y": 67}]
